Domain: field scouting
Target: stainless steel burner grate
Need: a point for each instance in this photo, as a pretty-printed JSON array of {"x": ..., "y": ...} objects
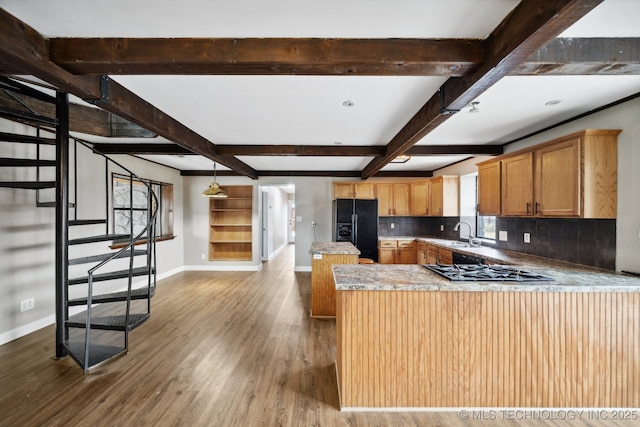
[{"x": 486, "y": 273}]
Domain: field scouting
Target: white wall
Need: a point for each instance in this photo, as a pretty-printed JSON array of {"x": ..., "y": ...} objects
[
  {"x": 626, "y": 117},
  {"x": 27, "y": 233}
]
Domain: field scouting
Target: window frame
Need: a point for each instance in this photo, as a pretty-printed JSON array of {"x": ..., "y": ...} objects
[{"x": 164, "y": 219}]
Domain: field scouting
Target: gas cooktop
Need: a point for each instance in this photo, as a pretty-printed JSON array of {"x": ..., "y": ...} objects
[{"x": 486, "y": 273}]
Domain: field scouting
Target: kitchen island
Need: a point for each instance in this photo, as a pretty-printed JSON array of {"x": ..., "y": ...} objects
[
  {"x": 323, "y": 292},
  {"x": 410, "y": 339}
]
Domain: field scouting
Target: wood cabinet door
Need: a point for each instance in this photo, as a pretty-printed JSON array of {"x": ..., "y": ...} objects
[
  {"x": 386, "y": 255},
  {"x": 385, "y": 201},
  {"x": 419, "y": 198},
  {"x": 432, "y": 254},
  {"x": 342, "y": 190},
  {"x": 401, "y": 199},
  {"x": 445, "y": 256},
  {"x": 436, "y": 196},
  {"x": 517, "y": 185},
  {"x": 365, "y": 190},
  {"x": 558, "y": 179},
  {"x": 406, "y": 255},
  {"x": 489, "y": 181},
  {"x": 421, "y": 253}
]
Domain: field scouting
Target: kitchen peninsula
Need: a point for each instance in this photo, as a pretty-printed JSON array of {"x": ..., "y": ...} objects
[
  {"x": 324, "y": 256},
  {"x": 408, "y": 338}
]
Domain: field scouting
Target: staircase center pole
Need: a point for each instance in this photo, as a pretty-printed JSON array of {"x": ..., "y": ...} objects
[{"x": 62, "y": 220}]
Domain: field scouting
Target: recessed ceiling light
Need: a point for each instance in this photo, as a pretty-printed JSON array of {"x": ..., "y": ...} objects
[
  {"x": 553, "y": 102},
  {"x": 348, "y": 103}
]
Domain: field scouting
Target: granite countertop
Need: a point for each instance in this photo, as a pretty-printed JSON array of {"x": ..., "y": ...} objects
[
  {"x": 567, "y": 277},
  {"x": 334, "y": 248}
]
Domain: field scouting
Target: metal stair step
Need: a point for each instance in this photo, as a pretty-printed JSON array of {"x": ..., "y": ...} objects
[
  {"x": 102, "y": 257},
  {"x": 11, "y": 162},
  {"x": 99, "y": 238},
  {"x": 28, "y": 185},
  {"x": 12, "y": 137},
  {"x": 121, "y": 274},
  {"x": 52, "y": 205},
  {"x": 108, "y": 323},
  {"x": 98, "y": 353},
  {"x": 87, "y": 221},
  {"x": 136, "y": 294}
]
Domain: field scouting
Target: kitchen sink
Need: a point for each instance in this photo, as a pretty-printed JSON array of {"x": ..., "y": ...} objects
[{"x": 458, "y": 244}]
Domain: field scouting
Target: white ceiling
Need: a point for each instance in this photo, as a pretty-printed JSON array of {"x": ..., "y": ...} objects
[{"x": 308, "y": 110}]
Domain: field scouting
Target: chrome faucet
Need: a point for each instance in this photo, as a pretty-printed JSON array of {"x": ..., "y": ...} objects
[{"x": 472, "y": 240}]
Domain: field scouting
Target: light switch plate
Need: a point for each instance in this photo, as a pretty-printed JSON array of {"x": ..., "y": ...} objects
[
  {"x": 393, "y": 226},
  {"x": 527, "y": 237},
  {"x": 502, "y": 236}
]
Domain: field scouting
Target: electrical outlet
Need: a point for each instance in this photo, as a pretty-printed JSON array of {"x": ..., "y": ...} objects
[
  {"x": 27, "y": 304},
  {"x": 393, "y": 226},
  {"x": 502, "y": 236},
  {"x": 203, "y": 256},
  {"x": 527, "y": 237},
  {"x": 441, "y": 227}
]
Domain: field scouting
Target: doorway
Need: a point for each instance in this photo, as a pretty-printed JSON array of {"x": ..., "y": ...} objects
[{"x": 277, "y": 219}]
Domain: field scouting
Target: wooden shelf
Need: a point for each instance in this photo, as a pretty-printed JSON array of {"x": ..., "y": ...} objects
[{"x": 230, "y": 225}]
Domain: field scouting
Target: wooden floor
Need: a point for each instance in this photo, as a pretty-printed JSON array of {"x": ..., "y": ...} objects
[{"x": 220, "y": 349}]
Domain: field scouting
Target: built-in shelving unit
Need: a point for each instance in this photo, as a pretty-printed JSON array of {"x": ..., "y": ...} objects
[{"x": 230, "y": 229}]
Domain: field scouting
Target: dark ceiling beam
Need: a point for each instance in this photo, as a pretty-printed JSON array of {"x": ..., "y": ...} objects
[
  {"x": 305, "y": 173},
  {"x": 584, "y": 56},
  {"x": 301, "y": 150},
  {"x": 303, "y": 56},
  {"x": 28, "y": 50},
  {"x": 272, "y": 56},
  {"x": 452, "y": 150},
  {"x": 142, "y": 148},
  {"x": 528, "y": 27},
  {"x": 83, "y": 119}
]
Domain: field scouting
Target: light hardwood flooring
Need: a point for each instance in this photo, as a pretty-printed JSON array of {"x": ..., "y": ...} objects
[{"x": 220, "y": 349}]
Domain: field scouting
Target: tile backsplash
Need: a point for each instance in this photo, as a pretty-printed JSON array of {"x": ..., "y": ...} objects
[{"x": 582, "y": 241}]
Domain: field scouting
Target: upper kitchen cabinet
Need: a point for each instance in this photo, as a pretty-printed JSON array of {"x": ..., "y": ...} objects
[
  {"x": 350, "y": 190},
  {"x": 572, "y": 176},
  {"x": 393, "y": 199},
  {"x": 343, "y": 190},
  {"x": 444, "y": 196},
  {"x": 419, "y": 198},
  {"x": 489, "y": 177},
  {"x": 517, "y": 185}
]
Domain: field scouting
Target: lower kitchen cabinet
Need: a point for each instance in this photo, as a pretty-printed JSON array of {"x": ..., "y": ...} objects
[
  {"x": 421, "y": 253},
  {"x": 406, "y": 253},
  {"x": 387, "y": 251},
  {"x": 396, "y": 251}
]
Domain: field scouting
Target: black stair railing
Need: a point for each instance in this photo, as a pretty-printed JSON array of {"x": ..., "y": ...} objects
[
  {"x": 99, "y": 307},
  {"x": 147, "y": 235}
]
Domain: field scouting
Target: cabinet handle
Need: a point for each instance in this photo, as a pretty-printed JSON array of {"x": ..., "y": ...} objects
[
  {"x": 528, "y": 208},
  {"x": 538, "y": 207}
]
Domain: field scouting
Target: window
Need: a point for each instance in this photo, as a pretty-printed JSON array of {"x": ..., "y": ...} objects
[
  {"x": 124, "y": 218},
  {"x": 484, "y": 226}
]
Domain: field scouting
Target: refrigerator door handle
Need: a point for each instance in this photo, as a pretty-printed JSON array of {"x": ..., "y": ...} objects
[{"x": 355, "y": 229}]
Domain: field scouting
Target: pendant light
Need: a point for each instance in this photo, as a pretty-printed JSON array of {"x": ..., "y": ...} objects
[{"x": 214, "y": 189}]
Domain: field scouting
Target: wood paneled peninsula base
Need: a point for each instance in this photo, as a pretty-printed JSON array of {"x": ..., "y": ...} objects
[
  {"x": 407, "y": 339},
  {"x": 323, "y": 291}
]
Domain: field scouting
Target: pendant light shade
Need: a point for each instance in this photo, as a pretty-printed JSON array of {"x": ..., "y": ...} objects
[{"x": 214, "y": 189}]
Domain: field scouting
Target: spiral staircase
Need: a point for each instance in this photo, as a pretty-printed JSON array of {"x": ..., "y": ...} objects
[{"x": 104, "y": 280}]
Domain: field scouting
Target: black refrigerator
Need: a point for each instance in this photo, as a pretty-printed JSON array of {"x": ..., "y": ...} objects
[{"x": 356, "y": 221}]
